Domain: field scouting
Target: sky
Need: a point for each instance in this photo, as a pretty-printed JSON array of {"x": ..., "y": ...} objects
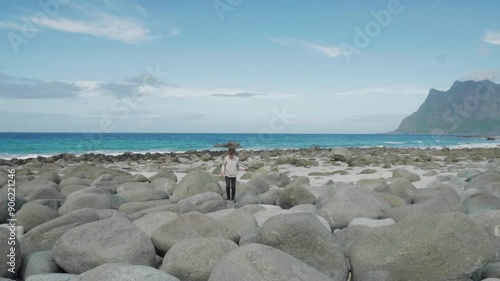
[{"x": 236, "y": 66}]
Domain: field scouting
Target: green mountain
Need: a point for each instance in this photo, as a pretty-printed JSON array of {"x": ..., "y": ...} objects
[{"x": 469, "y": 108}]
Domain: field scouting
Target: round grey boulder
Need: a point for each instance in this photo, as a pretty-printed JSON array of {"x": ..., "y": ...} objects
[
  {"x": 481, "y": 180},
  {"x": 32, "y": 215},
  {"x": 481, "y": 202},
  {"x": 347, "y": 203},
  {"x": 402, "y": 173},
  {"x": 90, "y": 200},
  {"x": 39, "y": 263},
  {"x": 304, "y": 237},
  {"x": 151, "y": 222},
  {"x": 45, "y": 235},
  {"x": 400, "y": 187},
  {"x": 341, "y": 154},
  {"x": 490, "y": 221},
  {"x": 295, "y": 195},
  {"x": 194, "y": 260},
  {"x": 124, "y": 272},
  {"x": 195, "y": 182},
  {"x": 52, "y": 277},
  {"x": 114, "y": 240},
  {"x": 256, "y": 262},
  {"x": 189, "y": 226},
  {"x": 438, "y": 247}
]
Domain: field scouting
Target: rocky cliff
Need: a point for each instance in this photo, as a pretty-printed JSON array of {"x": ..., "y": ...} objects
[{"x": 469, "y": 107}]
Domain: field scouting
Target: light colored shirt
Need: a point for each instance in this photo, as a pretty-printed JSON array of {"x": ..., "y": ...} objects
[{"x": 230, "y": 166}]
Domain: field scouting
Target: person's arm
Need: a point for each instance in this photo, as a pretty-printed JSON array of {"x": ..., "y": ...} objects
[
  {"x": 223, "y": 169},
  {"x": 243, "y": 167}
]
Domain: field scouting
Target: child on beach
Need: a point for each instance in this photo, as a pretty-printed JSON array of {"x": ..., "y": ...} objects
[{"x": 230, "y": 167}]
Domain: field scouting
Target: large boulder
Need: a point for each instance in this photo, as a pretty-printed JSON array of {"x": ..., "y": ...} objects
[
  {"x": 347, "y": 203},
  {"x": 75, "y": 181},
  {"x": 257, "y": 262},
  {"x": 195, "y": 182},
  {"x": 164, "y": 184},
  {"x": 240, "y": 220},
  {"x": 52, "y": 277},
  {"x": 295, "y": 195},
  {"x": 132, "y": 207},
  {"x": 124, "y": 272},
  {"x": 45, "y": 192},
  {"x": 45, "y": 235},
  {"x": 481, "y": 180},
  {"x": 189, "y": 226},
  {"x": 143, "y": 195},
  {"x": 151, "y": 222},
  {"x": 436, "y": 200},
  {"x": 195, "y": 202},
  {"x": 490, "y": 221},
  {"x": 50, "y": 175},
  {"x": 260, "y": 183},
  {"x": 344, "y": 237},
  {"x": 89, "y": 200},
  {"x": 194, "y": 260},
  {"x": 163, "y": 175},
  {"x": 33, "y": 214},
  {"x": 39, "y": 263},
  {"x": 341, "y": 154},
  {"x": 493, "y": 188},
  {"x": 114, "y": 240},
  {"x": 27, "y": 188},
  {"x": 128, "y": 186},
  {"x": 72, "y": 188},
  {"x": 264, "y": 215},
  {"x": 481, "y": 202},
  {"x": 402, "y": 173},
  {"x": 400, "y": 187},
  {"x": 271, "y": 196},
  {"x": 439, "y": 247},
  {"x": 10, "y": 261},
  {"x": 304, "y": 237}
]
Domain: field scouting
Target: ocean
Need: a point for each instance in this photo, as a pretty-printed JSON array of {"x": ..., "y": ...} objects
[{"x": 25, "y": 145}]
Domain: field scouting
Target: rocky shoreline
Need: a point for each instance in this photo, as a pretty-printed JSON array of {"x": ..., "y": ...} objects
[
  {"x": 300, "y": 214},
  {"x": 384, "y": 154}
]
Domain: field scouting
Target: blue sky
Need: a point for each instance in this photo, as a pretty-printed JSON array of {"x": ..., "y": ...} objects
[{"x": 236, "y": 66}]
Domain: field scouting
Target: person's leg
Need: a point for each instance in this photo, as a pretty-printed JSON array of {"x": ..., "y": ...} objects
[
  {"x": 233, "y": 187},
  {"x": 228, "y": 188}
]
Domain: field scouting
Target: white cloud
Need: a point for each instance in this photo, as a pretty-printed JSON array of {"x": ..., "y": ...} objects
[
  {"x": 284, "y": 42},
  {"x": 127, "y": 30},
  {"x": 492, "y": 37},
  {"x": 394, "y": 89},
  {"x": 11, "y": 26},
  {"x": 329, "y": 51},
  {"x": 221, "y": 93}
]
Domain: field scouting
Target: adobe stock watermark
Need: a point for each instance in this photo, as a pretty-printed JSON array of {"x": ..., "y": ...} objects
[
  {"x": 277, "y": 124},
  {"x": 49, "y": 9},
  {"x": 120, "y": 108},
  {"x": 364, "y": 36},
  {"x": 223, "y": 6}
]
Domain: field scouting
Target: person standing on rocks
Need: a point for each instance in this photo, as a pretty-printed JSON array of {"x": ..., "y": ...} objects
[{"x": 230, "y": 167}]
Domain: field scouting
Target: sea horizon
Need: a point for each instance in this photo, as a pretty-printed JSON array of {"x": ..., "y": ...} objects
[{"x": 23, "y": 145}]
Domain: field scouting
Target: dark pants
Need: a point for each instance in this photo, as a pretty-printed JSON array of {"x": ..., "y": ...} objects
[{"x": 230, "y": 186}]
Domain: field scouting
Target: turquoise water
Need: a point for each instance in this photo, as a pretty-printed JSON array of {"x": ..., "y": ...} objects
[{"x": 22, "y": 145}]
